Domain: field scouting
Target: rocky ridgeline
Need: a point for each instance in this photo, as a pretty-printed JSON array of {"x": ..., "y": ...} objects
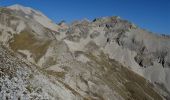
[{"x": 107, "y": 58}]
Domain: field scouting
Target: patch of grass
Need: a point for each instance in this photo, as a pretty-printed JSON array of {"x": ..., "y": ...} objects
[
  {"x": 136, "y": 92},
  {"x": 30, "y": 88},
  {"x": 122, "y": 80},
  {"x": 56, "y": 74},
  {"x": 4, "y": 10},
  {"x": 50, "y": 61},
  {"x": 31, "y": 76},
  {"x": 27, "y": 41},
  {"x": 145, "y": 85},
  {"x": 72, "y": 90}
]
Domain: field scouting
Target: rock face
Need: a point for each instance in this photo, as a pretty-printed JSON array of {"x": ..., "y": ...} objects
[{"x": 106, "y": 59}]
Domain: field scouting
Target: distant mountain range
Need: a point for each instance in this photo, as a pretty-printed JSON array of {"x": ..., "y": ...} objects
[{"x": 105, "y": 59}]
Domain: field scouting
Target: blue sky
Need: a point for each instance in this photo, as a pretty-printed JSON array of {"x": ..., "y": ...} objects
[{"x": 152, "y": 15}]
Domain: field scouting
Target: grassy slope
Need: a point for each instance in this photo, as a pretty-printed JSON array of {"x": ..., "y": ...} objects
[
  {"x": 27, "y": 41},
  {"x": 126, "y": 83}
]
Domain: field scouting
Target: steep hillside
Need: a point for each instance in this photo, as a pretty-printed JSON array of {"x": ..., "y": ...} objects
[
  {"x": 105, "y": 59},
  {"x": 101, "y": 78}
]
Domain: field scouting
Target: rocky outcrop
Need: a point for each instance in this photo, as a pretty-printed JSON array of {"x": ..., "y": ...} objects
[{"x": 108, "y": 58}]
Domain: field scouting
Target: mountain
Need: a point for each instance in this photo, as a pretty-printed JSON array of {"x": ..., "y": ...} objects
[{"x": 105, "y": 59}]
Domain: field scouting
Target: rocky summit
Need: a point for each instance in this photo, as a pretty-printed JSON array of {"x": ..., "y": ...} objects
[{"x": 105, "y": 59}]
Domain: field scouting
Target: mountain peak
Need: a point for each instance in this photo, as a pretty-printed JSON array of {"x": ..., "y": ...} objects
[
  {"x": 60, "y": 61},
  {"x": 16, "y": 5},
  {"x": 19, "y": 7},
  {"x": 35, "y": 15}
]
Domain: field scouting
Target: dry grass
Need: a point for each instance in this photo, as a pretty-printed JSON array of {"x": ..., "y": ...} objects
[
  {"x": 56, "y": 74},
  {"x": 49, "y": 62},
  {"x": 136, "y": 91},
  {"x": 30, "y": 88},
  {"x": 4, "y": 10},
  {"x": 134, "y": 87},
  {"x": 27, "y": 41}
]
